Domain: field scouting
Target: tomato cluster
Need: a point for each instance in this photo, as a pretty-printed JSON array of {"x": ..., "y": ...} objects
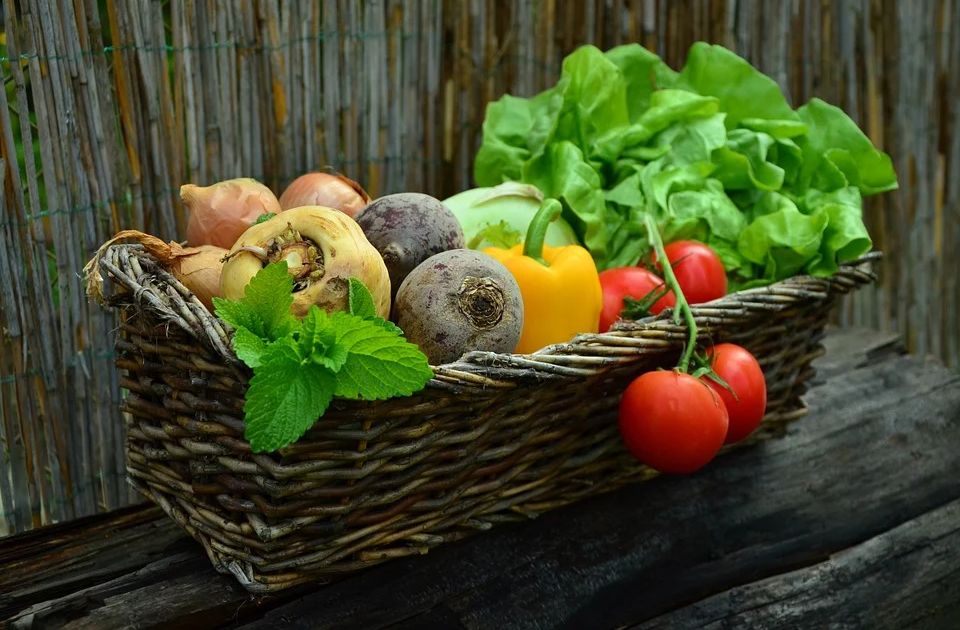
[
  {"x": 670, "y": 420},
  {"x": 699, "y": 273},
  {"x": 676, "y": 423}
]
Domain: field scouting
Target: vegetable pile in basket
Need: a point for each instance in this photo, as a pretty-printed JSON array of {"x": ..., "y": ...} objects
[{"x": 330, "y": 293}]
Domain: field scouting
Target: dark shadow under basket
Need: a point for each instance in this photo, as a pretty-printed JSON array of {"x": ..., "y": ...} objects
[{"x": 493, "y": 438}]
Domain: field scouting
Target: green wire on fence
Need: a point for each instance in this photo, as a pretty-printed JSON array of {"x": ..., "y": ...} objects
[
  {"x": 543, "y": 64},
  {"x": 235, "y": 45}
]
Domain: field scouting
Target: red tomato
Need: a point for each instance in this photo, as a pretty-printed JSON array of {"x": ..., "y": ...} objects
[
  {"x": 634, "y": 282},
  {"x": 672, "y": 422},
  {"x": 698, "y": 269},
  {"x": 742, "y": 373}
]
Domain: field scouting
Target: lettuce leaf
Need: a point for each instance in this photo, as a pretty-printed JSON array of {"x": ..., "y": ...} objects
[
  {"x": 562, "y": 172},
  {"x": 845, "y": 237},
  {"x": 643, "y": 73},
  {"x": 783, "y": 242},
  {"x": 714, "y": 152},
  {"x": 835, "y": 148},
  {"x": 743, "y": 164},
  {"x": 743, "y": 91},
  {"x": 514, "y": 130}
]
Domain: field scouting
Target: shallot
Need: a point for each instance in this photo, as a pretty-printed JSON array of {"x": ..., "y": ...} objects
[
  {"x": 325, "y": 189},
  {"x": 220, "y": 213}
]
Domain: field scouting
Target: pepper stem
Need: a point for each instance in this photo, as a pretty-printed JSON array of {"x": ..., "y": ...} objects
[
  {"x": 682, "y": 307},
  {"x": 549, "y": 212}
]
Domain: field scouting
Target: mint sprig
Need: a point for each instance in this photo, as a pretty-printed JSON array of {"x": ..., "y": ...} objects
[
  {"x": 377, "y": 367},
  {"x": 265, "y": 307},
  {"x": 249, "y": 347},
  {"x": 300, "y": 365},
  {"x": 360, "y": 303},
  {"x": 287, "y": 393}
]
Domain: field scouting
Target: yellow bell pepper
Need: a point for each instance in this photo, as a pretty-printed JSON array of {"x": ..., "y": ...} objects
[{"x": 560, "y": 285}]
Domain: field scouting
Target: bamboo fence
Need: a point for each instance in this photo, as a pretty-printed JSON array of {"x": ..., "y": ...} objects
[{"x": 110, "y": 106}]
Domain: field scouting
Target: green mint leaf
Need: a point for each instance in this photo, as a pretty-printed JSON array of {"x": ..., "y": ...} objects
[
  {"x": 387, "y": 325},
  {"x": 239, "y": 314},
  {"x": 266, "y": 216},
  {"x": 270, "y": 294},
  {"x": 317, "y": 340},
  {"x": 248, "y": 346},
  {"x": 361, "y": 302},
  {"x": 285, "y": 397},
  {"x": 264, "y": 309},
  {"x": 262, "y": 315},
  {"x": 380, "y": 363}
]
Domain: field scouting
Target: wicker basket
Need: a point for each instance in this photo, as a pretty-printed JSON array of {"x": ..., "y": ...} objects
[{"x": 493, "y": 438}]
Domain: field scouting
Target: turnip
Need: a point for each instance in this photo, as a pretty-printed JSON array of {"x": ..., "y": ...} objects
[
  {"x": 408, "y": 228},
  {"x": 457, "y": 301},
  {"x": 323, "y": 248}
]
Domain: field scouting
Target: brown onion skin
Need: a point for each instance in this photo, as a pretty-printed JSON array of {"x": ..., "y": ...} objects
[
  {"x": 325, "y": 189},
  {"x": 221, "y": 212},
  {"x": 198, "y": 268}
]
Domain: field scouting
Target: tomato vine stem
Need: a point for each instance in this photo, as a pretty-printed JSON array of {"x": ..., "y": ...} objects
[{"x": 681, "y": 308}]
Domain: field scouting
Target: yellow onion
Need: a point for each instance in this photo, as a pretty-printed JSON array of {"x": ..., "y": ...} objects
[
  {"x": 220, "y": 213},
  {"x": 325, "y": 189},
  {"x": 198, "y": 268},
  {"x": 323, "y": 249}
]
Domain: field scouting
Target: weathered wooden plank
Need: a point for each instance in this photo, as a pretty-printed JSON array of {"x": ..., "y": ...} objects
[
  {"x": 904, "y": 578},
  {"x": 44, "y": 564},
  {"x": 853, "y": 348},
  {"x": 148, "y": 597}
]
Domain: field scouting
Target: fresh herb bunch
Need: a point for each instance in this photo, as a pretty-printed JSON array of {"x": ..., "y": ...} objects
[{"x": 299, "y": 366}]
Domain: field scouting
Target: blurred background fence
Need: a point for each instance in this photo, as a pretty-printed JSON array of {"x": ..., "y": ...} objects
[{"x": 109, "y": 106}]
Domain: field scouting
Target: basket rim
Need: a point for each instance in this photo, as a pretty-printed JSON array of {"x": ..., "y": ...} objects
[{"x": 150, "y": 287}]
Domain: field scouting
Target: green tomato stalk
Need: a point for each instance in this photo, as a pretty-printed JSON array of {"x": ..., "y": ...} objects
[{"x": 681, "y": 308}]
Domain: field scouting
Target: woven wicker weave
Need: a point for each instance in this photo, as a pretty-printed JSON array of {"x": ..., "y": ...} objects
[{"x": 493, "y": 437}]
